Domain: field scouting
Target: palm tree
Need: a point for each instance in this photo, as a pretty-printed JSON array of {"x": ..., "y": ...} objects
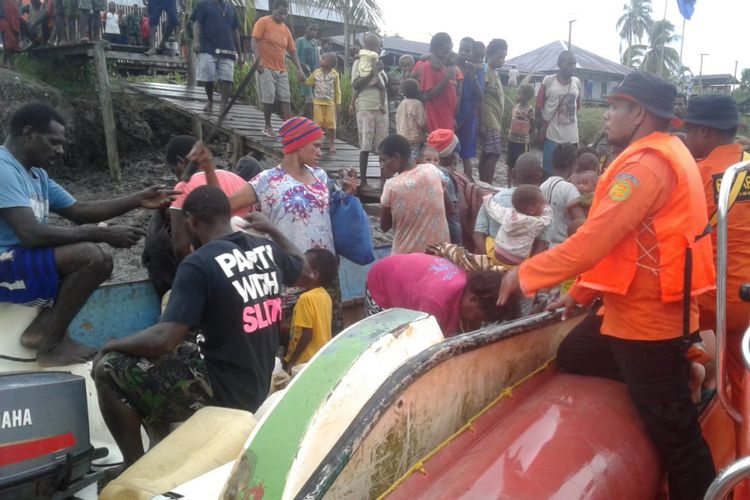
[
  {"x": 661, "y": 59},
  {"x": 633, "y": 24},
  {"x": 633, "y": 55},
  {"x": 354, "y": 13}
]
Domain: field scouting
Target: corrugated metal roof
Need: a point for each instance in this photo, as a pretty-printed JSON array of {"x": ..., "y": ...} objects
[
  {"x": 393, "y": 44},
  {"x": 723, "y": 79},
  {"x": 544, "y": 60}
]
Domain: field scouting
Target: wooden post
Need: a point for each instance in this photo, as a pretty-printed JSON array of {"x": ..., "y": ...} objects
[
  {"x": 237, "y": 148},
  {"x": 190, "y": 62},
  {"x": 108, "y": 114},
  {"x": 198, "y": 129}
]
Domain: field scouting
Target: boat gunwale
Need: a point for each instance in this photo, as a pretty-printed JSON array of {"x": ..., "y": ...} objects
[{"x": 338, "y": 457}]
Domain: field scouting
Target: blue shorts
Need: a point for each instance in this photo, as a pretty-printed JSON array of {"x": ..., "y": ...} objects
[
  {"x": 155, "y": 8},
  {"x": 28, "y": 276}
]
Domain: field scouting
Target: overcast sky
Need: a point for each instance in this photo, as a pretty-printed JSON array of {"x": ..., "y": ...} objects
[{"x": 720, "y": 28}]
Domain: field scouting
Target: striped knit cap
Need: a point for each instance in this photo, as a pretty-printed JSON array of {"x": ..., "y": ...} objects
[
  {"x": 298, "y": 132},
  {"x": 444, "y": 141}
]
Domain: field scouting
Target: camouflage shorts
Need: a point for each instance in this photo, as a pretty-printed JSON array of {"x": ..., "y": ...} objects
[{"x": 166, "y": 389}]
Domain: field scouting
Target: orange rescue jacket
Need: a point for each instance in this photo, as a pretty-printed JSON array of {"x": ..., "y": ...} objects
[{"x": 677, "y": 225}]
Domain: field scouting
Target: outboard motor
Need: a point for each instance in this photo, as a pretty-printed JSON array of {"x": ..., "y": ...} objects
[{"x": 45, "y": 450}]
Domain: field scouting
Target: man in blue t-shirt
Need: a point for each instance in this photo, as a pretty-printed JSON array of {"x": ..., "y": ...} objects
[
  {"x": 55, "y": 267},
  {"x": 230, "y": 288},
  {"x": 216, "y": 39}
]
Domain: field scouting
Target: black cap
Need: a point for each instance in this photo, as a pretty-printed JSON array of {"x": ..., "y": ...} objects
[
  {"x": 715, "y": 111},
  {"x": 653, "y": 93}
]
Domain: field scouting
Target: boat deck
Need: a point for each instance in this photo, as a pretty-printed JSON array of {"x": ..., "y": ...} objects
[{"x": 246, "y": 123}]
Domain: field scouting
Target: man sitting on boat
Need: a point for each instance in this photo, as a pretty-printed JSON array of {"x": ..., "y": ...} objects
[
  {"x": 55, "y": 267},
  {"x": 229, "y": 287},
  {"x": 648, "y": 213}
]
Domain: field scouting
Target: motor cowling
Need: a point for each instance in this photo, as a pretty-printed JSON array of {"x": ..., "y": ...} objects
[{"x": 44, "y": 433}]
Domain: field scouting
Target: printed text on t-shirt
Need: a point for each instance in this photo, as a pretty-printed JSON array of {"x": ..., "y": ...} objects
[{"x": 245, "y": 269}]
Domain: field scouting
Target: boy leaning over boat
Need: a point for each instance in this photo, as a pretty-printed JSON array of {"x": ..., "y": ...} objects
[
  {"x": 43, "y": 265},
  {"x": 228, "y": 288}
]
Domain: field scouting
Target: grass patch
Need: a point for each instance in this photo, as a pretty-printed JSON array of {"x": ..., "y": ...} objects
[
  {"x": 70, "y": 79},
  {"x": 590, "y": 123}
]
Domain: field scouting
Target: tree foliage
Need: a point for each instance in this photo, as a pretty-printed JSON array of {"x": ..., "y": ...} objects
[
  {"x": 656, "y": 54},
  {"x": 742, "y": 93},
  {"x": 354, "y": 13},
  {"x": 660, "y": 58},
  {"x": 633, "y": 25}
]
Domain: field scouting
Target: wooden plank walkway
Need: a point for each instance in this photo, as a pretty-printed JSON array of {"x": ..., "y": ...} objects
[
  {"x": 126, "y": 58},
  {"x": 246, "y": 122}
]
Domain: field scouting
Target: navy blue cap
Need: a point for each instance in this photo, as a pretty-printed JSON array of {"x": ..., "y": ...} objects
[
  {"x": 653, "y": 93},
  {"x": 715, "y": 111}
]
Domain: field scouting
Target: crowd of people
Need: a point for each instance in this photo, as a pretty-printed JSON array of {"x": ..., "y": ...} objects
[
  {"x": 38, "y": 23},
  {"x": 247, "y": 264}
]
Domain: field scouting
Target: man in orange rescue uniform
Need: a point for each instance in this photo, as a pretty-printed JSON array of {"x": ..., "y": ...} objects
[
  {"x": 711, "y": 123},
  {"x": 648, "y": 211}
]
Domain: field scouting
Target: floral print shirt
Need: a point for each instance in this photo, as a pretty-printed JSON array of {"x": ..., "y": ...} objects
[
  {"x": 415, "y": 198},
  {"x": 301, "y": 211}
]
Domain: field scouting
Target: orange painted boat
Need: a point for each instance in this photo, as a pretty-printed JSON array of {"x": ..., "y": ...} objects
[
  {"x": 558, "y": 436},
  {"x": 546, "y": 435},
  {"x": 568, "y": 437}
]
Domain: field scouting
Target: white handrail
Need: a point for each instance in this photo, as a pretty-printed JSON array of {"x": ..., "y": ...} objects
[
  {"x": 721, "y": 284},
  {"x": 728, "y": 479}
]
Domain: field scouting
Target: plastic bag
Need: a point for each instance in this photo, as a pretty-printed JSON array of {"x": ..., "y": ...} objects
[{"x": 352, "y": 236}]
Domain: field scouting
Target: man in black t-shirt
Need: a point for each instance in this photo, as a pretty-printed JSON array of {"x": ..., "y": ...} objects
[{"x": 230, "y": 289}]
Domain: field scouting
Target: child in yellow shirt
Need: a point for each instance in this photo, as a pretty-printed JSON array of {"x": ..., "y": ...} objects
[
  {"x": 312, "y": 316},
  {"x": 326, "y": 86}
]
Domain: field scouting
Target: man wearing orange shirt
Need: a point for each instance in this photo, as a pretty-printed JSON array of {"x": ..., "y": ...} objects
[
  {"x": 644, "y": 226},
  {"x": 272, "y": 40},
  {"x": 711, "y": 124}
]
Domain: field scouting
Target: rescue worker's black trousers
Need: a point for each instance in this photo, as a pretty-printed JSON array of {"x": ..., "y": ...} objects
[{"x": 656, "y": 374}]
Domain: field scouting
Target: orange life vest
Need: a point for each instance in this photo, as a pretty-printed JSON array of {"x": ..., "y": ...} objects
[{"x": 677, "y": 226}]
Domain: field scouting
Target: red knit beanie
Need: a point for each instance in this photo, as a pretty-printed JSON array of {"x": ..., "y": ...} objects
[
  {"x": 444, "y": 141},
  {"x": 298, "y": 132}
]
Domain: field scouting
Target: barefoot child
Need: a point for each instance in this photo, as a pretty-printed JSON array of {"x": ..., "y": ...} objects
[
  {"x": 367, "y": 61},
  {"x": 411, "y": 121},
  {"x": 311, "y": 319},
  {"x": 585, "y": 182},
  {"x": 326, "y": 97},
  {"x": 520, "y": 127},
  {"x": 520, "y": 225}
]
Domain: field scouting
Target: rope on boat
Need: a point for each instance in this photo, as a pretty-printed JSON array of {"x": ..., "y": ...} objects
[
  {"x": 18, "y": 360},
  {"x": 506, "y": 392}
]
